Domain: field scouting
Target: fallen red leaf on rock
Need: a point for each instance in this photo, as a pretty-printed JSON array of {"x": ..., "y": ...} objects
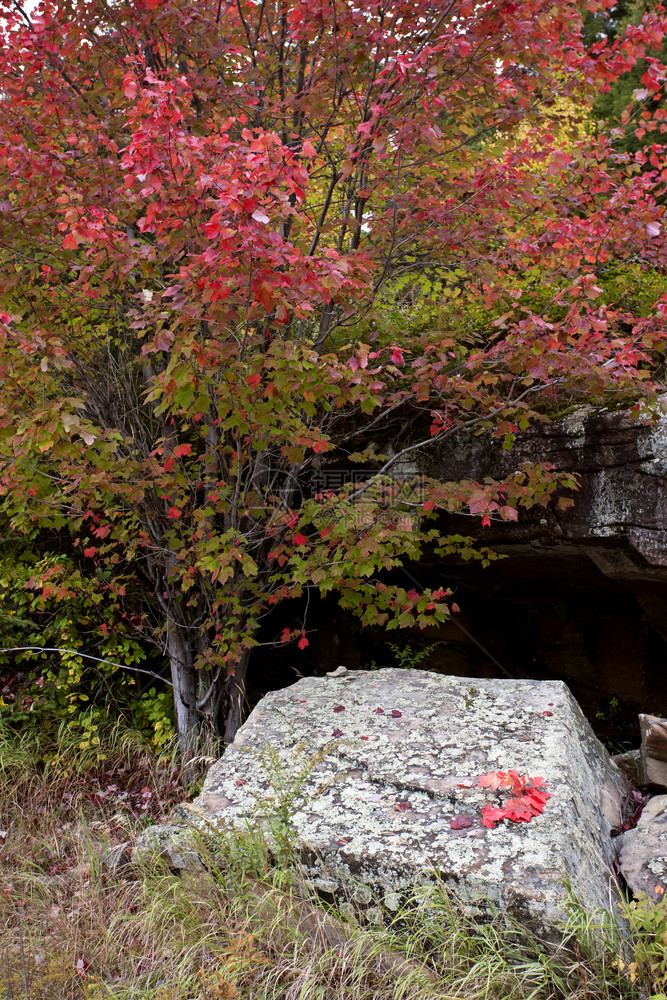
[
  {"x": 492, "y": 780},
  {"x": 528, "y": 799},
  {"x": 491, "y": 815}
]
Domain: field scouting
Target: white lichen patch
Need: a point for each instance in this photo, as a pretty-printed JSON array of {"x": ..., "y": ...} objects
[
  {"x": 574, "y": 424},
  {"x": 652, "y": 446}
]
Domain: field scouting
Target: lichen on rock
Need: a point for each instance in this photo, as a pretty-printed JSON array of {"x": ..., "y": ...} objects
[{"x": 369, "y": 769}]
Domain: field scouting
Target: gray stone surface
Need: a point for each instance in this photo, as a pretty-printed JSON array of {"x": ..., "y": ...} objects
[
  {"x": 620, "y": 511},
  {"x": 171, "y": 843},
  {"x": 118, "y": 859},
  {"x": 643, "y": 850},
  {"x": 371, "y": 794}
]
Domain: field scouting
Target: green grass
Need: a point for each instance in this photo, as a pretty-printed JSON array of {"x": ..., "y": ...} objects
[{"x": 241, "y": 927}]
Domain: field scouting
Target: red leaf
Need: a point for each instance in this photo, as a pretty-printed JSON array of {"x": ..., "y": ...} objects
[
  {"x": 536, "y": 799},
  {"x": 182, "y": 449},
  {"x": 517, "y": 810},
  {"x": 491, "y": 815},
  {"x": 90, "y": 552},
  {"x": 303, "y": 642},
  {"x": 395, "y": 714},
  {"x": 286, "y": 635},
  {"x": 493, "y": 780},
  {"x": 174, "y": 513},
  {"x": 460, "y": 822},
  {"x": 253, "y": 380},
  {"x": 339, "y": 708},
  {"x": 300, "y": 539},
  {"x": 337, "y": 733},
  {"x": 130, "y": 86},
  {"x": 516, "y": 783}
]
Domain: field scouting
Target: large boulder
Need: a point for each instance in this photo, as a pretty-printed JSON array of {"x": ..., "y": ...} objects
[{"x": 377, "y": 772}]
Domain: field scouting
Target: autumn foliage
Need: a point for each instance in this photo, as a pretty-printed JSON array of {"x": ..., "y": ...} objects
[
  {"x": 243, "y": 242},
  {"x": 528, "y": 799}
]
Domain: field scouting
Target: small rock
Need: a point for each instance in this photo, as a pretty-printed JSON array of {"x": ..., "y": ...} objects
[
  {"x": 118, "y": 859},
  {"x": 643, "y": 851},
  {"x": 630, "y": 764},
  {"x": 171, "y": 843}
]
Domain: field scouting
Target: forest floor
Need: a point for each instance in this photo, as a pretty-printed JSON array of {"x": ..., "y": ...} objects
[{"x": 71, "y": 929}]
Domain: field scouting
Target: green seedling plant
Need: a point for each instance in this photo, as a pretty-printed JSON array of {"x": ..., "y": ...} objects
[
  {"x": 285, "y": 793},
  {"x": 409, "y": 658}
]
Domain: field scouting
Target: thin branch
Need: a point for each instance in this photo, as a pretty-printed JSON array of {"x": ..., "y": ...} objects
[
  {"x": 466, "y": 425},
  {"x": 19, "y": 8},
  {"x": 207, "y": 697},
  {"x": 325, "y": 210},
  {"x": 85, "y": 656}
]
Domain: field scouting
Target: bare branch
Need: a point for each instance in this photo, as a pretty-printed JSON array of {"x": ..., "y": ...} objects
[{"x": 85, "y": 656}]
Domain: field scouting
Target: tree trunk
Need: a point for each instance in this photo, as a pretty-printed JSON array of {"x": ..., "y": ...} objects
[
  {"x": 184, "y": 679},
  {"x": 229, "y": 700}
]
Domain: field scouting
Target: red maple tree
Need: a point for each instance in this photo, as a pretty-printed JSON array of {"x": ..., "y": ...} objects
[{"x": 243, "y": 239}]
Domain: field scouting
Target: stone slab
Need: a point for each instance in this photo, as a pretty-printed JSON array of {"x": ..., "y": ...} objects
[{"x": 371, "y": 768}]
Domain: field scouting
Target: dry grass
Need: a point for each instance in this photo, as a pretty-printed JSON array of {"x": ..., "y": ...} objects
[{"x": 70, "y": 930}]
